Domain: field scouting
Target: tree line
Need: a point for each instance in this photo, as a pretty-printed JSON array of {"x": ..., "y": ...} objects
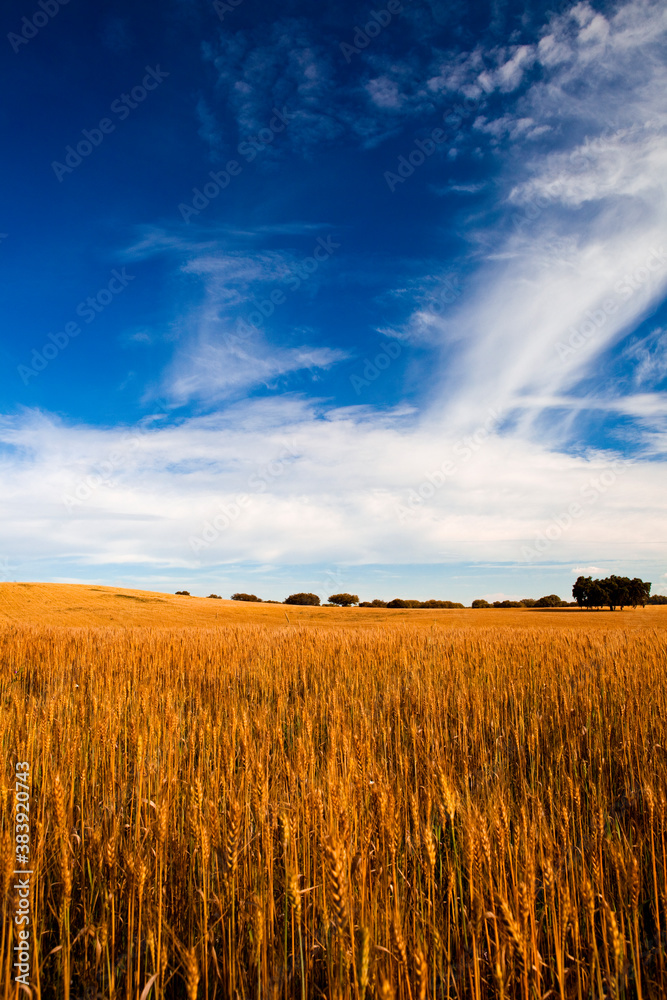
[
  {"x": 612, "y": 592},
  {"x": 349, "y": 600}
]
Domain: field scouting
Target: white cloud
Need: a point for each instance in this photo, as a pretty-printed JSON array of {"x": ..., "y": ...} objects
[
  {"x": 223, "y": 341},
  {"x": 384, "y": 92},
  {"x": 584, "y": 228},
  {"x": 580, "y": 227},
  {"x": 345, "y": 486},
  {"x": 510, "y": 72},
  {"x": 223, "y": 366}
]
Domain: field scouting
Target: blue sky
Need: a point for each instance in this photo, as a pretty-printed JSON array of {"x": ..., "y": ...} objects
[{"x": 334, "y": 296}]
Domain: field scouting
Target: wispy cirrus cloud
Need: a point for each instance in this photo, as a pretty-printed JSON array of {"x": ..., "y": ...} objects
[
  {"x": 223, "y": 341},
  {"x": 583, "y": 222}
]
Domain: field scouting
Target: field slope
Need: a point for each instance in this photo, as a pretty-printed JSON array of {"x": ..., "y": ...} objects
[{"x": 83, "y": 605}]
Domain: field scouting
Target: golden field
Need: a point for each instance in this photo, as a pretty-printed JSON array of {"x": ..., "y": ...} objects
[
  {"x": 402, "y": 804},
  {"x": 84, "y": 605}
]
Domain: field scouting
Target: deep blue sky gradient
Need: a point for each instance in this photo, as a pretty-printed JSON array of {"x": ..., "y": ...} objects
[{"x": 437, "y": 246}]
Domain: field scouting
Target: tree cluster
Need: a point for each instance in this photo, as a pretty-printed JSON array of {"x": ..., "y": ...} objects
[
  {"x": 549, "y": 601},
  {"x": 400, "y": 603},
  {"x": 612, "y": 592},
  {"x": 307, "y": 599},
  {"x": 344, "y": 600}
]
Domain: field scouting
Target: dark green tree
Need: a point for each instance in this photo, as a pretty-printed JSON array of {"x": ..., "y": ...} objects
[
  {"x": 597, "y": 595},
  {"x": 581, "y": 590},
  {"x": 309, "y": 599},
  {"x": 550, "y": 601},
  {"x": 344, "y": 600},
  {"x": 640, "y": 592}
]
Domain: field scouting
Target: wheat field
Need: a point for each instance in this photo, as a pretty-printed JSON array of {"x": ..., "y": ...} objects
[
  {"x": 60, "y": 604},
  {"x": 273, "y": 809}
]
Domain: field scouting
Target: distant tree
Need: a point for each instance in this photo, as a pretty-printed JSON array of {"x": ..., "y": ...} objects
[
  {"x": 480, "y": 603},
  {"x": 183, "y": 593},
  {"x": 246, "y": 597},
  {"x": 617, "y": 591},
  {"x": 378, "y": 604},
  {"x": 344, "y": 600},
  {"x": 439, "y": 604},
  {"x": 397, "y": 603},
  {"x": 657, "y": 599},
  {"x": 217, "y": 596},
  {"x": 507, "y": 604},
  {"x": 581, "y": 590},
  {"x": 528, "y": 602},
  {"x": 597, "y": 595},
  {"x": 612, "y": 592},
  {"x": 550, "y": 601},
  {"x": 309, "y": 599},
  {"x": 640, "y": 592}
]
